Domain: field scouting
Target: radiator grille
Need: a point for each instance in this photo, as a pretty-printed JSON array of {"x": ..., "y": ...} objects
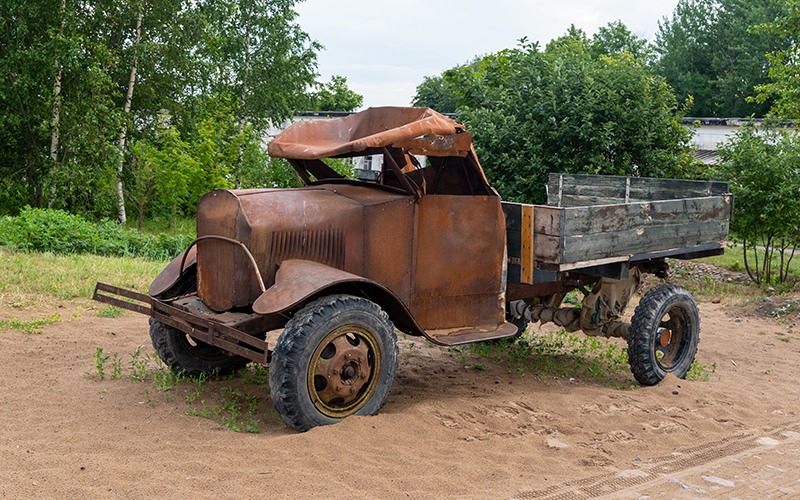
[{"x": 325, "y": 246}]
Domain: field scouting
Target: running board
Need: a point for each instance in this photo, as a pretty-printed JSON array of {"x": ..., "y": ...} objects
[
  {"x": 467, "y": 335},
  {"x": 211, "y": 332}
]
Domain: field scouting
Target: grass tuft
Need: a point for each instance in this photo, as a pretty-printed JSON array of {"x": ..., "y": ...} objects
[{"x": 235, "y": 402}]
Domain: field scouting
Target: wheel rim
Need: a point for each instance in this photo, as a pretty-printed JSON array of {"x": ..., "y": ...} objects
[
  {"x": 669, "y": 341},
  {"x": 344, "y": 371},
  {"x": 201, "y": 349}
]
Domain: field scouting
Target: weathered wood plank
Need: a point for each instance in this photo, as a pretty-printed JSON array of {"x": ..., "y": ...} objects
[
  {"x": 642, "y": 240},
  {"x": 526, "y": 272},
  {"x": 547, "y": 248},
  {"x": 601, "y": 219},
  {"x": 584, "y": 201},
  {"x": 590, "y": 189},
  {"x": 547, "y": 220},
  {"x": 664, "y": 189}
]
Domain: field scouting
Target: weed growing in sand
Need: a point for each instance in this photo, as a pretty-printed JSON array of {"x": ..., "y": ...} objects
[
  {"x": 116, "y": 366},
  {"x": 234, "y": 401},
  {"x": 109, "y": 312},
  {"x": 30, "y": 326},
  {"x": 700, "y": 371},
  {"x": 137, "y": 366},
  {"x": 99, "y": 362},
  {"x": 557, "y": 354},
  {"x": 785, "y": 309},
  {"x": 238, "y": 410}
]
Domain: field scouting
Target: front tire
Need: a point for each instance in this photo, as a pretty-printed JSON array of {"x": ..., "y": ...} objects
[
  {"x": 337, "y": 357},
  {"x": 183, "y": 354},
  {"x": 664, "y": 334}
]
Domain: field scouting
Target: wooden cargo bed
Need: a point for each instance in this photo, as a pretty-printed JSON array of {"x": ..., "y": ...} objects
[{"x": 599, "y": 224}]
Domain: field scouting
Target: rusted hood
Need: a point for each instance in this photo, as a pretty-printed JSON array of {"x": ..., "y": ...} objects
[{"x": 373, "y": 128}]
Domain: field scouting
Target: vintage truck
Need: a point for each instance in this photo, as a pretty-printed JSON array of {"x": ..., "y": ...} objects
[{"x": 429, "y": 249}]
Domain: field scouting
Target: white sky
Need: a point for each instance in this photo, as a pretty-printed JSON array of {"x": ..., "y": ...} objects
[{"x": 386, "y": 48}]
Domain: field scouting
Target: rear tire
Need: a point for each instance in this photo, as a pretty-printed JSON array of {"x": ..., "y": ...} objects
[
  {"x": 337, "y": 357},
  {"x": 183, "y": 354},
  {"x": 664, "y": 334}
]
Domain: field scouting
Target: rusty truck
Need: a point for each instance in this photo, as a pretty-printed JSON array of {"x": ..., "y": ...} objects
[{"x": 427, "y": 248}]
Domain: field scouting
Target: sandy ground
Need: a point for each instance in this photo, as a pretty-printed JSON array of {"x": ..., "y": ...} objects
[{"x": 448, "y": 430}]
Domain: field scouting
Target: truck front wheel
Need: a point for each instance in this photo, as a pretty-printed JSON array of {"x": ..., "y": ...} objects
[
  {"x": 663, "y": 335},
  {"x": 184, "y": 354},
  {"x": 336, "y": 357}
]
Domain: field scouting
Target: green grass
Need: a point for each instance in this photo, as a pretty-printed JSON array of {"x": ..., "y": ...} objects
[
  {"x": 733, "y": 259},
  {"x": 185, "y": 225},
  {"x": 555, "y": 354},
  {"x": 235, "y": 402},
  {"x": 563, "y": 354},
  {"x": 30, "y": 326},
  {"x": 70, "y": 276}
]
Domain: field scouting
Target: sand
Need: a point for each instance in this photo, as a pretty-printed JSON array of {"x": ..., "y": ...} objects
[{"x": 448, "y": 431}]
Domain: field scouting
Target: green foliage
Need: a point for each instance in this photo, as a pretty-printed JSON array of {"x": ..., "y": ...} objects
[
  {"x": 700, "y": 371},
  {"x": 707, "y": 51},
  {"x": 762, "y": 166},
  {"x": 57, "y": 231},
  {"x": 558, "y": 354},
  {"x": 433, "y": 93},
  {"x": 262, "y": 171},
  {"x": 567, "y": 109},
  {"x": 100, "y": 361},
  {"x": 210, "y": 78},
  {"x": 234, "y": 404},
  {"x": 335, "y": 96},
  {"x": 783, "y": 69},
  {"x": 109, "y": 312},
  {"x": 615, "y": 39},
  {"x": 29, "y": 326}
]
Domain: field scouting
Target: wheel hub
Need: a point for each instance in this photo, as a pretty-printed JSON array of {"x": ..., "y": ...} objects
[
  {"x": 342, "y": 374},
  {"x": 669, "y": 339},
  {"x": 665, "y": 335}
]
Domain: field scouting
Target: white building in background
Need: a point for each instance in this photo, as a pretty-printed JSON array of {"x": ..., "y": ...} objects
[{"x": 711, "y": 133}]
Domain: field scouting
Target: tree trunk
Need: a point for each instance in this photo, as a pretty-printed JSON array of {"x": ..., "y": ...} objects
[
  {"x": 243, "y": 95},
  {"x": 124, "y": 132},
  {"x": 54, "y": 136}
]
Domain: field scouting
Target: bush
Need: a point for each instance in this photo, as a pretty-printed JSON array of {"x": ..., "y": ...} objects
[
  {"x": 57, "y": 231},
  {"x": 763, "y": 166}
]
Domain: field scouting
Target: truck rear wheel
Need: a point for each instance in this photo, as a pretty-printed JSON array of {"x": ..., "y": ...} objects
[
  {"x": 336, "y": 357},
  {"x": 184, "y": 354},
  {"x": 663, "y": 335}
]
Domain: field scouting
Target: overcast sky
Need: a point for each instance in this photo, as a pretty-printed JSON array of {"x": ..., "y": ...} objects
[{"x": 386, "y": 48}]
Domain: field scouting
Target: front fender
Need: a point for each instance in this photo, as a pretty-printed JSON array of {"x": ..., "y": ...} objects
[
  {"x": 297, "y": 280},
  {"x": 172, "y": 275}
]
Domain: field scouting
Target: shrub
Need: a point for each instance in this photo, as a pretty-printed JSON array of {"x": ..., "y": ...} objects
[
  {"x": 57, "y": 231},
  {"x": 762, "y": 165}
]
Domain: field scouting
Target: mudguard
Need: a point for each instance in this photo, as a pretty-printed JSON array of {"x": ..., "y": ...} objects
[
  {"x": 171, "y": 274},
  {"x": 297, "y": 280}
]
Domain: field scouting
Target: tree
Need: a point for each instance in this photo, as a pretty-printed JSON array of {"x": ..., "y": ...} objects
[
  {"x": 566, "y": 109},
  {"x": 255, "y": 51},
  {"x": 784, "y": 72},
  {"x": 335, "y": 96},
  {"x": 706, "y": 51},
  {"x": 433, "y": 93},
  {"x": 26, "y": 69},
  {"x": 615, "y": 39},
  {"x": 763, "y": 168},
  {"x": 81, "y": 81}
]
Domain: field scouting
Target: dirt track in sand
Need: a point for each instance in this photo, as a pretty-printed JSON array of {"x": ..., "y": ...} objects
[{"x": 448, "y": 431}]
